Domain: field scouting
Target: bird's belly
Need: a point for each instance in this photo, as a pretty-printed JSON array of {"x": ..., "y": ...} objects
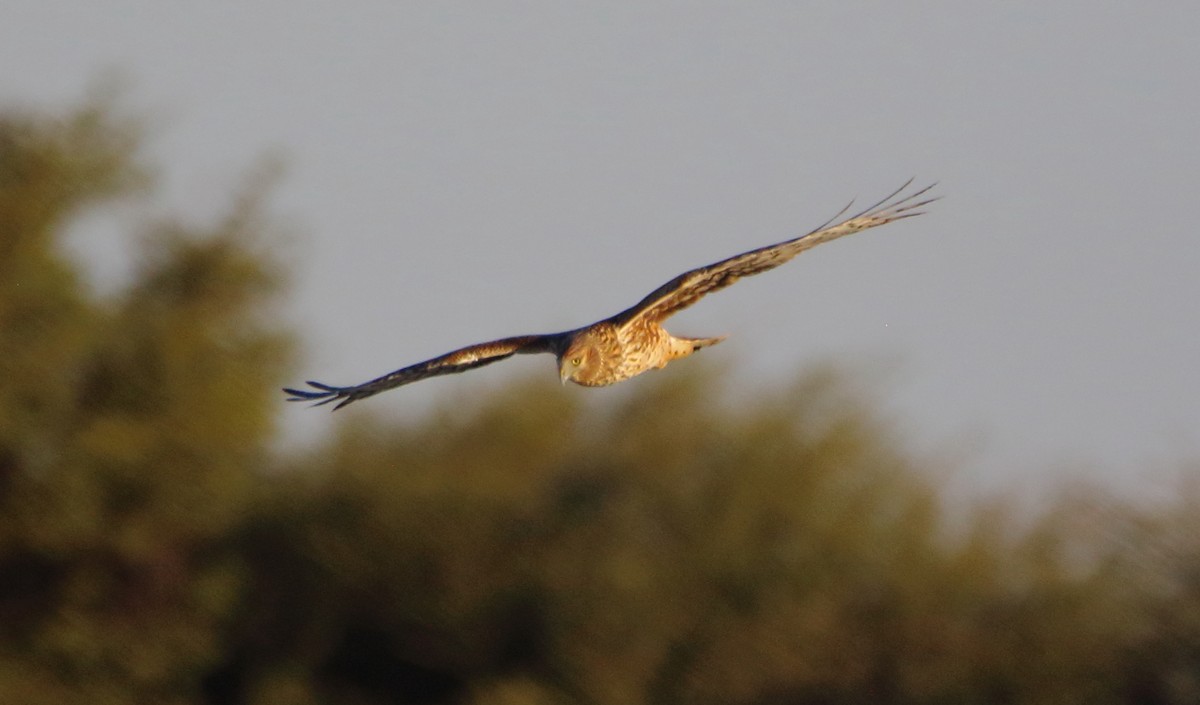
[{"x": 640, "y": 356}]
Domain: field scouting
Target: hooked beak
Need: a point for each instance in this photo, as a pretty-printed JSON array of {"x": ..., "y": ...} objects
[{"x": 564, "y": 373}]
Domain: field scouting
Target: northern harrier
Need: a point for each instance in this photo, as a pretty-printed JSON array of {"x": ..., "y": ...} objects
[{"x": 633, "y": 341}]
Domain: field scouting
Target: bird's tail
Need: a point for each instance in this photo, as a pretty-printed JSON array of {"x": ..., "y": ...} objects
[{"x": 698, "y": 343}]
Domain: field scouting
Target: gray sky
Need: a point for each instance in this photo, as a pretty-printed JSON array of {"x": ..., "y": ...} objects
[{"x": 463, "y": 171}]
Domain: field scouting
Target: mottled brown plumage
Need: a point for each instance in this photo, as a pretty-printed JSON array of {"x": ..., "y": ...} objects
[{"x": 633, "y": 341}]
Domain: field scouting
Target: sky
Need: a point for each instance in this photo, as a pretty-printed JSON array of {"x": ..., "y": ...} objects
[{"x": 458, "y": 172}]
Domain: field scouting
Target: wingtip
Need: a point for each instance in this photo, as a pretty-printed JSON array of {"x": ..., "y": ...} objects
[
  {"x": 324, "y": 394},
  {"x": 297, "y": 394}
]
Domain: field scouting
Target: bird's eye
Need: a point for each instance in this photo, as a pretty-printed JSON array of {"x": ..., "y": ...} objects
[{"x": 576, "y": 361}]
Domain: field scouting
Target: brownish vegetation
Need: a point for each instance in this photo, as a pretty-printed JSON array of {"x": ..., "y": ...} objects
[{"x": 522, "y": 550}]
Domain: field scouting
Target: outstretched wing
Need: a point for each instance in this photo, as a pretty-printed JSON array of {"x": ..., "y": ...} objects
[
  {"x": 687, "y": 288},
  {"x": 460, "y": 360}
]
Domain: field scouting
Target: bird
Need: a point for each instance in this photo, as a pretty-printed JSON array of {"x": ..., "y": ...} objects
[{"x": 632, "y": 341}]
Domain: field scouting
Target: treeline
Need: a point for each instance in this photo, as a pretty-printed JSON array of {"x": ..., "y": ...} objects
[{"x": 526, "y": 548}]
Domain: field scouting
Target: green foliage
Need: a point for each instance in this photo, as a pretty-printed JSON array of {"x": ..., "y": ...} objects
[
  {"x": 128, "y": 427},
  {"x": 526, "y": 547},
  {"x": 681, "y": 548}
]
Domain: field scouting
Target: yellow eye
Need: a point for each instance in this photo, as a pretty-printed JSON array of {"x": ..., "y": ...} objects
[{"x": 576, "y": 361}]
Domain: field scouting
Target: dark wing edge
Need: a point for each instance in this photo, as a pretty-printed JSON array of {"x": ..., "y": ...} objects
[
  {"x": 689, "y": 287},
  {"x": 460, "y": 360}
]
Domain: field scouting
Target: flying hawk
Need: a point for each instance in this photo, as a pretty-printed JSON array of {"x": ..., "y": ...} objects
[{"x": 633, "y": 341}]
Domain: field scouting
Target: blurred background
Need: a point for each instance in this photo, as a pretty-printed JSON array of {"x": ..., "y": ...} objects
[{"x": 949, "y": 461}]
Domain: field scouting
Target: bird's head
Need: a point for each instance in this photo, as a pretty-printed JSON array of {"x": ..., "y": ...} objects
[{"x": 580, "y": 363}]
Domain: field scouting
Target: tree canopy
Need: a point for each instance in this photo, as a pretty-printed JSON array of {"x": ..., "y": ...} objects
[{"x": 522, "y": 548}]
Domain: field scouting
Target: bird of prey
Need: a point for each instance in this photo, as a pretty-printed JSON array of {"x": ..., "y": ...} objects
[{"x": 634, "y": 340}]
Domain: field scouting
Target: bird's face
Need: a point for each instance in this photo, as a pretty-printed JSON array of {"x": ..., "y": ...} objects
[{"x": 579, "y": 365}]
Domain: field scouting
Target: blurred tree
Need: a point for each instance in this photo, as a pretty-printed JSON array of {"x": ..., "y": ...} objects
[
  {"x": 530, "y": 546},
  {"x": 129, "y": 428},
  {"x": 677, "y": 549}
]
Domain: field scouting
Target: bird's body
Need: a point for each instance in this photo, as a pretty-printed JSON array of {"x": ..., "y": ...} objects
[
  {"x": 609, "y": 353},
  {"x": 634, "y": 340}
]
